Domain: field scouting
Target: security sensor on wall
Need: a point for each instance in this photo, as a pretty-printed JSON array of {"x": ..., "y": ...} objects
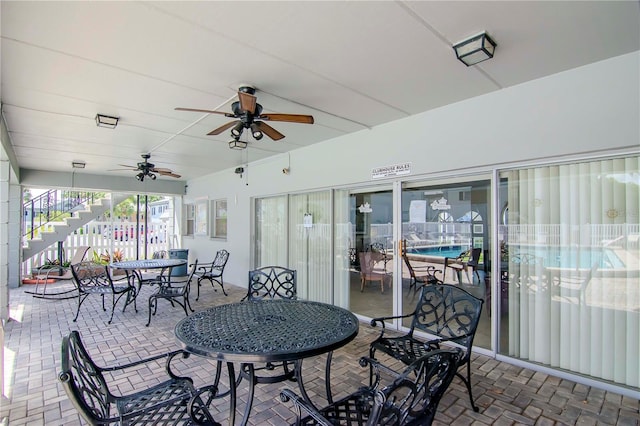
[
  {"x": 286, "y": 171},
  {"x": 239, "y": 171}
]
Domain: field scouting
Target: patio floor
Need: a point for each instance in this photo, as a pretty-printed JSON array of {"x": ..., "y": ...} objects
[{"x": 506, "y": 394}]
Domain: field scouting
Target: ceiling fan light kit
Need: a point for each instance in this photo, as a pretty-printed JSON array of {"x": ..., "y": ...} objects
[
  {"x": 248, "y": 114},
  {"x": 237, "y": 129},
  {"x": 475, "y": 49},
  {"x": 106, "y": 121},
  {"x": 237, "y": 144},
  {"x": 147, "y": 169}
]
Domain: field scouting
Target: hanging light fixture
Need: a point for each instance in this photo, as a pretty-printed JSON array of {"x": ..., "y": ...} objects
[{"x": 475, "y": 49}]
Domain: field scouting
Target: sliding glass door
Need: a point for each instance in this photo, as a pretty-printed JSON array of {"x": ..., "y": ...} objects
[
  {"x": 444, "y": 220},
  {"x": 363, "y": 239},
  {"x": 294, "y": 231}
]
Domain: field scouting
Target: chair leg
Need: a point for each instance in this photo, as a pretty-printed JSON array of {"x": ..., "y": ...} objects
[
  {"x": 467, "y": 382},
  {"x": 184, "y": 306},
  {"x": 186, "y": 299},
  {"x": 152, "y": 300},
  {"x": 81, "y": 298},
  {"x": 198, "y": 295}
]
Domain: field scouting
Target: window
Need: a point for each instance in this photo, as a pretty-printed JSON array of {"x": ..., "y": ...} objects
[
  {"x": 201, "y": 216},
  {"x": 219, "y": 219},
  {"x": 568, "y": 269},
  {"x": 189, "y": 214}
]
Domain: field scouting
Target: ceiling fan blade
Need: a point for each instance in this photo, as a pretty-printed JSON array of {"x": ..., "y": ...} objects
[
  {"x": 269, "y": 131},
  {"x": 223, "y": 127},
  {"x": 169, "y": 173},
  {"x": 126, "y": 165},
  {"x": 291, "y": 118},
  {"x": 247, "y": 102},
  {"x": 207, "y": 111},
  {"x": 161, "y": 170}
]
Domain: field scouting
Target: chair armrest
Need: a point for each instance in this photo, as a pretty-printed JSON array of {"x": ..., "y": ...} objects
[
  {"x": 169, "y": 356},
  {"x": 378, "y": 369},
  {"x": 300, "y": 405},
  {"x": 59, "y": 270},
  {"x": 381, "y": 320},
  {"x": 435, "y": 343}
]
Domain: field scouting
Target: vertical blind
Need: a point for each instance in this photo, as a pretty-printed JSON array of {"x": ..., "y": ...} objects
[
  {"x": 572, "y": 258},
  {"x": 310, "y": 244},
  {"x": 271, "y": 235}
]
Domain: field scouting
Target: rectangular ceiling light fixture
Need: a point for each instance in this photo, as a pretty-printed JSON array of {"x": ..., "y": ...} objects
[
  {"x": 106, "y": 121},
  {"x": 475, "y": 49}
]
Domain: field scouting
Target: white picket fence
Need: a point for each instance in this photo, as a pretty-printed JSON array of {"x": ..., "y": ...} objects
[{"x": 103, "y": 237}]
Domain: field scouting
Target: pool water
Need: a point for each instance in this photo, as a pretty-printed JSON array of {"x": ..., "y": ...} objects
[
  {"x": 573, "y": 257},
  {"x": 558, "y": 257},
  {"x": 439, "y": 251}
]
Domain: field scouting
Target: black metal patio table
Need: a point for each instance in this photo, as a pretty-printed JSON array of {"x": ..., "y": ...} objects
[
  {"x": 266, "y": 331},
  {"x": 134, "y": 268}
]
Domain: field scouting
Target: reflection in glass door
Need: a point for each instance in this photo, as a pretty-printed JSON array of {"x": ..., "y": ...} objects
[
  {"x": 442, "y": 222},
  {"x": 363, "y": 238}
]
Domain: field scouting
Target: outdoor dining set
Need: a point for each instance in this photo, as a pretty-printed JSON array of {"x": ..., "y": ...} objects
[{"x": 263, "y": 339}]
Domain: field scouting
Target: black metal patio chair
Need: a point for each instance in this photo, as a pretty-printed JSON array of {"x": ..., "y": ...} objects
[
  {"x": 411, "y": 397},
  {"x": 173, "y": 292},
  {"x": 93, "y": 278},
  {"x": 272, "y": 282},
  {"x": 446, "y": 312},
  {"x": 175, "y": 401},
  {"x": 213, "y": 271}
]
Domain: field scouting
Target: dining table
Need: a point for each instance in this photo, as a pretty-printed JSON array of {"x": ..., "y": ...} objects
[
  {"x": 266, "y": 331},
  {"x": 134, "y": 269}
]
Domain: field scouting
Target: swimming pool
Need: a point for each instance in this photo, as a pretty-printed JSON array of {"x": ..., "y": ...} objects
[
  {"x": 439, "y": 251},
  {"x": 574, "y": 257},
  {"x": 556, "y": 257}
]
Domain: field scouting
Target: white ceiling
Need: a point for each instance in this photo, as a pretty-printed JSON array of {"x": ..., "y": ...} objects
[{"x": 351, "y": 64}]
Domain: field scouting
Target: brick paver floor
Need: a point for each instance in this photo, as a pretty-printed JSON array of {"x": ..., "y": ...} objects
[{"x": 506, "y": 394}]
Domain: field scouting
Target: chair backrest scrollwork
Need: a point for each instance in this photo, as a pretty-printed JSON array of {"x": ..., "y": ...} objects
[
  {"x": 90, "y": 274},
  {"x": 272, "y": 282},
  {"x": 449, "y": 312},
  {"x": 84, "y": 383}
]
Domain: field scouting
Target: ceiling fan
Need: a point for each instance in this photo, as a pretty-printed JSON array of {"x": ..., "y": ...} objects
[
  {"x": 248, "y": 113},
  {"x": 148, "y": 169}
]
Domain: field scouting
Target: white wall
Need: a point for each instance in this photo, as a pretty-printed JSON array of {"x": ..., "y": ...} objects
[{"x": 585, "y": 111}]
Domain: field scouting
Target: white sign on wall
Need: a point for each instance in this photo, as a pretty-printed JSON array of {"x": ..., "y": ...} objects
[{"x": 390, "y": 171}]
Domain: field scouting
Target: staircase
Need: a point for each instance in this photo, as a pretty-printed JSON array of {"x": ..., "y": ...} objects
[{"x": 84, "y": 210}]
